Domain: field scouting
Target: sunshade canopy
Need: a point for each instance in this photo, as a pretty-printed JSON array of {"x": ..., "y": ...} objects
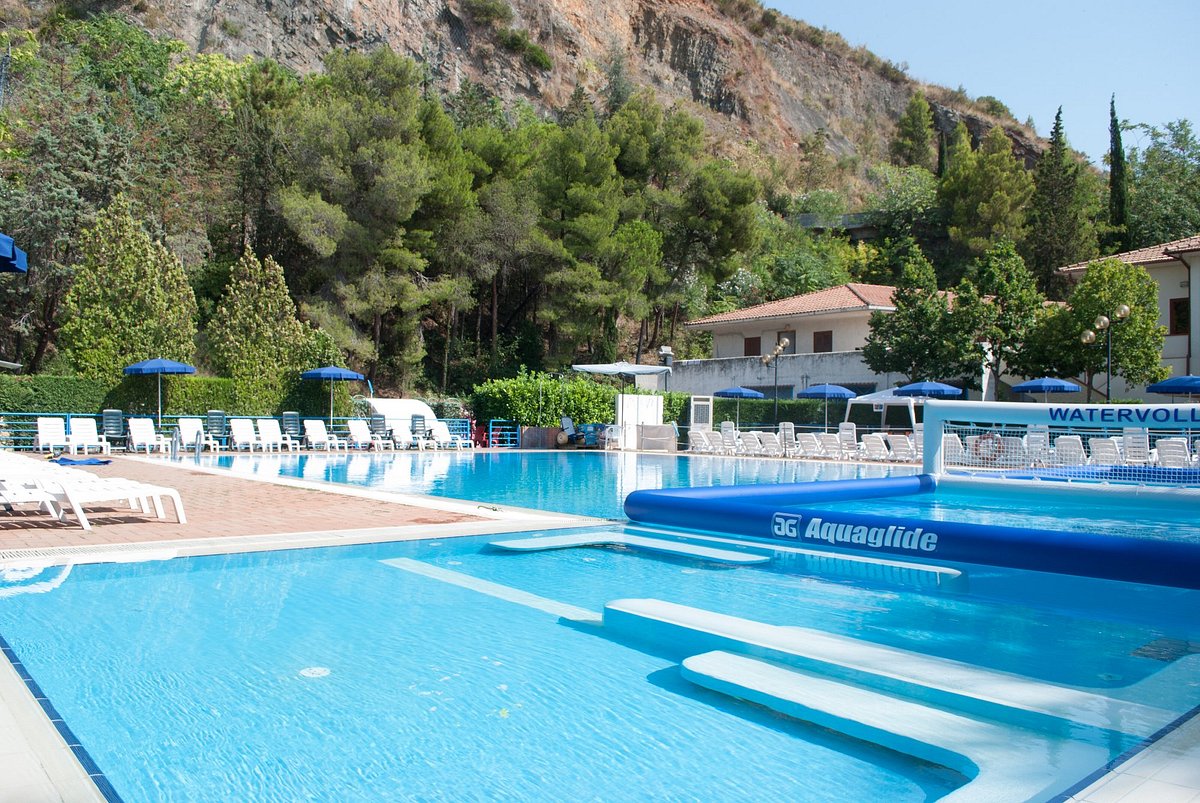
[
  {"x": 158, "y": 365},
  {"x": 1176, "y": 386},
  {"x": 933, "y": 390},
  {"x": 739, "y": 393},
  {"x": 1046, "y": 384},
  {"x": 12, "y": 259},
  {"x": 826, "y": 391},
  {"x": 332, "y": 372},
  {"x": 621, "y": 369}
]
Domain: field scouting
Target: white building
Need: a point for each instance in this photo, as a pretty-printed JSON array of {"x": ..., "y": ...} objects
[{"x": 1175, "y": 268}]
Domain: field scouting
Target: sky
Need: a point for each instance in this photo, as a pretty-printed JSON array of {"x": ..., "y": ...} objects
[{"x": 1037, "y": 56}]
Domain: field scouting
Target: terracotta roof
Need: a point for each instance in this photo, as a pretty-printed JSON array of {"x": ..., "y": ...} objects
[
  {"x": 1154, "y": 255},
  {"x": 842, "y": 298}
]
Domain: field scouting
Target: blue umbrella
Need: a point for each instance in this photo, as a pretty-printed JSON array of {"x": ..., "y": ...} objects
[
  {"x": 1046, "y": 385},
  {"x": 935, "y": 390},
  {"x": 12, "y": 259},
  {"x": 1186, "y": 385},
  {"x": 739, "y": 393},
  {"x": 158, "y": 366},
  {"x": 334, "y": 374},
  {"x": 826, "y": 392}
]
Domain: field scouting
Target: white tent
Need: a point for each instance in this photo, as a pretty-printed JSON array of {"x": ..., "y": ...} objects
[{"x": 883, "y": 399}]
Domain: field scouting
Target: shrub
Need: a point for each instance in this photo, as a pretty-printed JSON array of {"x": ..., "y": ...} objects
[
  {"x": 52, "y": 394},
  {"x": 518, "y": 41},
  {"x": 489, "y": 12}
]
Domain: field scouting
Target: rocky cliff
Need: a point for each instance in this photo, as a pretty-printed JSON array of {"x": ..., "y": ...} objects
[{"x": 751, "y": 80}]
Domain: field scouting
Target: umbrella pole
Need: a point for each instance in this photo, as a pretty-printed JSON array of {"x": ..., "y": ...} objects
[
  {"x": 159, "y": 400},
  {"x": 331, "y": 405}
]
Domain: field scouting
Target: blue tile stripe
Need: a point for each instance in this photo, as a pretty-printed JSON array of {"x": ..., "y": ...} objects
[
  {"x": 84, "y": 758},
  {"x": 1128, "y": 754}
]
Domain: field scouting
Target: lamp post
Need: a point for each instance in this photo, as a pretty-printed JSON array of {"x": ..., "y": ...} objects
[
  {"x": 1105, "y": 325},
  {"x": 773, "y": 357}
]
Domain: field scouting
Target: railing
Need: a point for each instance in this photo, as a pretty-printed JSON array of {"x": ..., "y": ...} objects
[{"x": 504, "y": 434}]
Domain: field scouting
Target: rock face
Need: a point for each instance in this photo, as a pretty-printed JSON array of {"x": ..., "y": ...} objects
[{"x": 772, "y": 87}]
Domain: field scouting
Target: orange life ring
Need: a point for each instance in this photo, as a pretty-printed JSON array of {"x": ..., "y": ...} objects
[{"x": 988, "y": 447}]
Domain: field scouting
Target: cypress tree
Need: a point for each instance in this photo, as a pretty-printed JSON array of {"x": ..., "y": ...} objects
[
  {"x": 913, "y": 143},
  {"x": 1060, "y": 231},
  {"x": 1118, "y": 200}
]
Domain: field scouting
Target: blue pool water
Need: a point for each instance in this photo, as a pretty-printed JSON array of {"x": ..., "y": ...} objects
[
  {"x": 580, "y": 483},
  {"x": 1148, "y": 514},
  {"x": 330, "y": 674}
]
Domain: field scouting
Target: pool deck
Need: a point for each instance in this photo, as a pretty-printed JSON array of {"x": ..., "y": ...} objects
[{"x": 230, "y": 513}]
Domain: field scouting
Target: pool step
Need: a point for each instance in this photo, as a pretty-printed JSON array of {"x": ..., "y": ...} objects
[
  {"x": 1001, "y": 764},
  {"x": 950, "y": 684},
  {"x": 662, "y": 545}
]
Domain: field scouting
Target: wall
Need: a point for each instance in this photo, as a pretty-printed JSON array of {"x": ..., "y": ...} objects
[
  {"x": 702, "y": 377},
  {"x": 850, "y": 330}
]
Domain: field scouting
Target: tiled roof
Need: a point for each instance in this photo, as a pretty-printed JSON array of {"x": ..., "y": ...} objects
[
  {"x": 844, "y": 297},
  {"x": 1154, "y": 255}
]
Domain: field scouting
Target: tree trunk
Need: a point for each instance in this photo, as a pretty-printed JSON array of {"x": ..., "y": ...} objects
[
  {"x": 641, "y": 342},
  {"x": 446, "y": 348},
  {"x": 495, "y": 312}
]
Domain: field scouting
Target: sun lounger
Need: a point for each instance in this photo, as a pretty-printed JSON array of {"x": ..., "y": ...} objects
[
  {"x": 875, "y": 447},
  {"x": 1068, "y": 451},
  {"x": 361, "y": 436},
  {"x": 1105, "y": 452},
  {"x": 242, "y": 435},
  {"x": 272, "y": 438},
  {"x": 442, "y": 438},
  {"x": 51, "y": 434},
  {"x": 193, "y": 436},
  {"x": 318, "y": 437},
  {"x": 142, "y": 435},
  {"x": 85, "y": 437}
]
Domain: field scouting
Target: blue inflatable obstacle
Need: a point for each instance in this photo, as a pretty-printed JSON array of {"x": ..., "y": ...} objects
[{"x": 777, "y": 513}]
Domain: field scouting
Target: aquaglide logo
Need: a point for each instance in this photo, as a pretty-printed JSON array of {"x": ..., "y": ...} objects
[{"x": 894, "y": 536}]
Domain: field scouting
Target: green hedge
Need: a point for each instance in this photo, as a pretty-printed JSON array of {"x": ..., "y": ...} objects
[
  {"x": 52, "y": 394},
  {"x": 761, "y": 412}
]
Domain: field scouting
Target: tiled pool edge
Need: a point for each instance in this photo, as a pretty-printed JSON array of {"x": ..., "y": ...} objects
[{"x": 57, "y": 768}]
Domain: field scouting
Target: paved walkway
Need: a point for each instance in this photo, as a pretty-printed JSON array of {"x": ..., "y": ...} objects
[{"x": 216, "y": 506}]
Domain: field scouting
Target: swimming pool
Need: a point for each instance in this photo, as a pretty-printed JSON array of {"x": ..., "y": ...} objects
[
  {"x": 442, "y": 670},
  {"x": 577, "y": 482}
]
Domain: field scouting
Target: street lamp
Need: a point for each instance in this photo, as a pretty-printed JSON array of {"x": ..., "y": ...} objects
[
  {"x": 767, "y": 359},
  {"x": 1105, "y": 325}
]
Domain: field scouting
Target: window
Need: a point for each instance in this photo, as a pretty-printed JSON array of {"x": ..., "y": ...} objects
[
  {"x": 822, "y": 341},
  {"x": 791, "y": 346},
  {"x": 1180, "y": 311},
  {"x": 753, "y": 347}
]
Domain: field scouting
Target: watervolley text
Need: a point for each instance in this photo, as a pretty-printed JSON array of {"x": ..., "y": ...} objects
[
  {"x": 1126, "y": 414},
  {"x": 791, "y": 525}
]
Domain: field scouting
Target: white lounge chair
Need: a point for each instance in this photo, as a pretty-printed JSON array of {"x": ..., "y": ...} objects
[
  {"x": 85, "y": 437},
  {"x": 142, "y": 435},
  {"x": 1068, "y": 451},
  {"x": 1105, "y": 452},
  {"x": 808, "y": 444},
  {"x": 1173, "y": 453},
  {"x": 272, "y": 437},
  {"x": 848, "y": 435},
  {"x": 191, "y": 433},
  {"x": 1135, "y": 447},
  {"x": 697, "y": 443},
  {"x": 953, "y": 453},
  {"x": 242, "y": 435},
  {"x": 51, "y": 434},
  {"x": 901, "y": 446},
  {"x": 1037, "y": 444},
  {"x": 751, "y": 444},
  {"x": 444, "y": 438},
  {"x": 831, "y": 445},
  {"x": 874, "y": 447},
  {"x": 771, "y": 447},
  {"x": 361, "y": 436},
  {"x": 320, "y": 438},
  {"x": 404, "y": 438},
  {"x": 787, "y": 439}
]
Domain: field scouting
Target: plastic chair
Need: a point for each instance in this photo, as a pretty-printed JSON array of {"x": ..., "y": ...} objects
[
  {"x": 112, "y": 424},
  {"x": 289, "y": 421}
]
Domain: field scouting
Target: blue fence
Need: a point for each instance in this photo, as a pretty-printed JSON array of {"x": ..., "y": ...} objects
[{"x": 502, "y": 433}]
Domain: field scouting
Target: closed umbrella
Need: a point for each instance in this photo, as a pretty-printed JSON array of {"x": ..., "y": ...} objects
[
  {"x": 334, "y": 374},
  {"x": 929, "y": 389},
  {"x": 1046, "y": 385},
  {"x": 826, "y": 392},
  {"x": 158, "y": 366},
  {"x": 738, "y": 393}
]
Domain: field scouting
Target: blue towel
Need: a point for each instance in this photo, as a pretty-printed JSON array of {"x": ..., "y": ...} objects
[{"x": 83, "y": 461}]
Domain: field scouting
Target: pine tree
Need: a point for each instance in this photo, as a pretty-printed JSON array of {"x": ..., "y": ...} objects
[
  {"x": 130, "y": 301},
  {"x": 1060, "y": 231},
  {"x": 1118, "y": 199},
  {"x": 984, "y": 193},
  {"x": 914, "y": 140}
]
